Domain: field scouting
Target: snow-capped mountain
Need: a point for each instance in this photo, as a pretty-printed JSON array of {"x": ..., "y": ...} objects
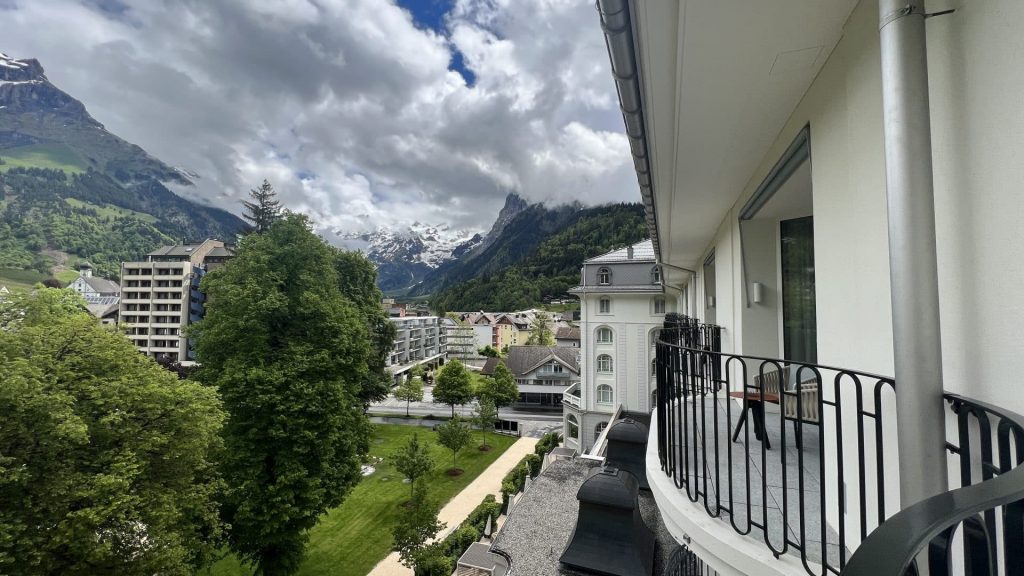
[{"x": 403, "y": 256}]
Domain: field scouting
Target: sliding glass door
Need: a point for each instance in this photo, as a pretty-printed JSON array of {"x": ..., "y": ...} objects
[{"x": 799, "y": 322}]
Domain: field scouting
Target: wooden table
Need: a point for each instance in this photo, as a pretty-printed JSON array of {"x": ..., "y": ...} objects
[{"x": 756, "y": 401}]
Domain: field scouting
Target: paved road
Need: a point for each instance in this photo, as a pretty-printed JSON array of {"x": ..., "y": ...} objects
[{"x": 530, "y": 422}]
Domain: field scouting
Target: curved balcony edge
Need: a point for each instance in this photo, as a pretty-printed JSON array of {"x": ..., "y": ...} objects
[{"x": 712, "y": 540}]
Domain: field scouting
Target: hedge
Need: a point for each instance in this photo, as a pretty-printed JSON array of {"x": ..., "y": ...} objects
[{"x": 547, "y": 443}]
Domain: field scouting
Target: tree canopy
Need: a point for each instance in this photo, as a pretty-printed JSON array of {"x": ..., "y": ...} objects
[
  {"x": 418, "y": 525},
  {"x": 413, "y": 460},
  {"x": 453, "y": 386},
  {"x": 106, "y": 459},
  {"x": 454, "y": 435},
  {"x": 411, "y": 390},
  {"x": 500, "y": 388},
  {"x": 290, "y": 354},
  {"x": 540, "y": 331}
]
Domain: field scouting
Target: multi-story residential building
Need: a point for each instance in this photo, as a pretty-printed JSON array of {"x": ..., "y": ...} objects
[
  {"x": 543, "y": 373},
  {"x": 418, "y": 340},
  {"x": 160, "y": 296},
  {"x": 623, "y": 303},
  {"x": 840, "y": 392},
  {"x": 460, "y": 338}
]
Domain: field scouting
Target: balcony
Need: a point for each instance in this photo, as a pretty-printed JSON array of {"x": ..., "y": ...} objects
[
  {"x": 572, "y": 395},
  {"x": 808, "y": 483}
]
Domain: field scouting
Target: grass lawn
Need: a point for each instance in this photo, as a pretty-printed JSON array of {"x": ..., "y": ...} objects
[
  {"x": 52, "y": 155},
  {"x": 352, "y": 538},
  {"x": 18, "y": 279}
]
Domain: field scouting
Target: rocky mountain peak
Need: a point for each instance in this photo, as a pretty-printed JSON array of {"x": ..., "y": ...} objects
[{"x": 12, "y": 70}]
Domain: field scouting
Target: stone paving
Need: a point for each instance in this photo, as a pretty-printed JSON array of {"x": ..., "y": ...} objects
[{"x": 459, "y": 507}]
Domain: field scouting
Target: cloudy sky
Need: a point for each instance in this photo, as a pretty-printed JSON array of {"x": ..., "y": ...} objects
[{"x": 362, "y": 113}]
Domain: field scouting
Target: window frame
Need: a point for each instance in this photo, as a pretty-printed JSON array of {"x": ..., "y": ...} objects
[
  {"x": 605, "y": 330},
  {"x": 611, "y": 394},
  {"x": 610, "y": 362},
  {"x": 654, "y": 305},
  {"x": 604, "y": 276},
  {"x": 601, "y": 308}
]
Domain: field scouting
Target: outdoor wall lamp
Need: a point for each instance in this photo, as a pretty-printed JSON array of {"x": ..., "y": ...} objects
[
  {"x": 758, "y": 292},
  {"x": 711, "y": 301}
]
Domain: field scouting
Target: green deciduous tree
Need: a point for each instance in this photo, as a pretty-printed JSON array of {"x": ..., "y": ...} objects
[
  {"x": 454, "y": 435},
  {"x": 489, "y": 351},
  {"x": 264, "y": 209},
  {"x": 289, "y": 354},
  {"x": 411, "y": 390},
  {"x": 540, "y": 331},
  {"x": 357, "y": 278},
  {"x": 485, "y": 415},
  {"x": 106, "y": 459},
  {"x": 416, "y": 526},
  {"x": 500, "y": 388},
  {"x": 452, "y": 385},
  {"x": 414, "y": 461}
]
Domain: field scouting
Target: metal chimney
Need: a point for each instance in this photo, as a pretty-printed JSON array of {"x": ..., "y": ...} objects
[
  {"x": 627, "y": 449},
  {"x": 610, "y": 536}
]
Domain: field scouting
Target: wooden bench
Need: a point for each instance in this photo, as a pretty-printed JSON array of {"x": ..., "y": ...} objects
[{"x": 804, "y": 411}]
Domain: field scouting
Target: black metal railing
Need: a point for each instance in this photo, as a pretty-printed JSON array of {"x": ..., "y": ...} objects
[
  {"x": 987, "y": 508},
  {"x": 722, "y": 437},
  {"x": 683, "y": 562}
]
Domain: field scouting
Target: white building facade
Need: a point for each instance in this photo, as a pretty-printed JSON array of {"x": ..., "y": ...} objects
[
  {"x": 622, "y": 306},
  {"x": 836, "y": 184}
]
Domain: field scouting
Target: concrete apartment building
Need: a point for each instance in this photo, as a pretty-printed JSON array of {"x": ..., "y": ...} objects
[
  {"x": 622, "y": 307},
  {"x": 419, "y": 340},
  {"x": 160, "y": 296}
]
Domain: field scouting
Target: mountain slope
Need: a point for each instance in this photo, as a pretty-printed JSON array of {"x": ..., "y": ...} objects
[
  {"x": 70, "y": 189},
  {"x": 527, "y": 228},
  {"x": 551, "y": 266}
]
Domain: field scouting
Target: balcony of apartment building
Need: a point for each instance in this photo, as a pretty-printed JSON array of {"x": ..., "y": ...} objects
[{"x": 772, "y": 467}]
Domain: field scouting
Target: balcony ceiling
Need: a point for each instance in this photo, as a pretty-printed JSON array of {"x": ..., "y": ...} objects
[{"x": 719, "y": 80}]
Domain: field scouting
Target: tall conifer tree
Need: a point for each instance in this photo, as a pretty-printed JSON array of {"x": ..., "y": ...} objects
[{"x": 264, "y": 209}]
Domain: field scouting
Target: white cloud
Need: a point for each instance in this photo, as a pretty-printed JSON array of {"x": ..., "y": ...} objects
[{"x": 348, "y": 106}]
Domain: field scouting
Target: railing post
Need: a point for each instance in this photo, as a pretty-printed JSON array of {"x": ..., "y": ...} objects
[{"x": 912, "y": 255}]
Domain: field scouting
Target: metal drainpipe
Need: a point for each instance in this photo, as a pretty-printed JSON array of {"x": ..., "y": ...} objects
[{"x": 912, "y": 255}]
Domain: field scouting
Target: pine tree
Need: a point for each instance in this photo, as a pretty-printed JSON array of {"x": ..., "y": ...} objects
[{"x": 264, "y": 210}]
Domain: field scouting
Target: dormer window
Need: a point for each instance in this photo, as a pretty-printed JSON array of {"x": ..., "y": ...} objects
[
  {"x": 604, "y": 276},
  {"x": 656, "y": 275}
]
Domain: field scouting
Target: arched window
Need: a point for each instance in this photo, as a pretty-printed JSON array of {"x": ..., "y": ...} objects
[
  {"x": 605, "y": 394},
  {"x": 604, "y": 364},
  {"x": 573, "y": 426},
  {"x": 604, "y": 276},
  {"x": 656, "y": 275},
  {"x": 659, "y": 305},
  {"x": 604, "y": 306},
  {"x": 600, "y": 428},
  {"x": 605, "y": 336}
]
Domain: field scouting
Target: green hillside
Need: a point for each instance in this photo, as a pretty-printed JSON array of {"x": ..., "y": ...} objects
[
  {"x": 551, "y": 267},
  {"x": 49, "y": 218},
  {"x": 54, "y": 156}
]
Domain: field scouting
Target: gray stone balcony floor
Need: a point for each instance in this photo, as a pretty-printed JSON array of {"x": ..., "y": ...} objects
[{"x": 760, "y": 484}]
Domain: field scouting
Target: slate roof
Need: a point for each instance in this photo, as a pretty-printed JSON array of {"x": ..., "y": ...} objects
[
  {"x": 102, "y": 308},
  {"x": 219, "y": 252},
  {"x": 489, "y": 366},
  {"x": 568, "y": 333},
  {"x": 102, "y": 285},
  {"x": 643, "y": 251},
  {"x": 178, "y": 250},
  {"x": 523, "y": 359}
]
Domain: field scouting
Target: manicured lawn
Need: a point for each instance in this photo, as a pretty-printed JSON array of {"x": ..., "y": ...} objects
[{"x": 351, "y": 539}]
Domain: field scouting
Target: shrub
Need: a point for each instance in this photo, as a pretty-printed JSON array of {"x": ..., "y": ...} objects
[
  {"x": 460, "y": 540},
  {"x": 478, "y": 517},
  {"x": 547, "y": 443},
  {"x": 533, "y": 462},
  {"x": 432, "y": 561}
]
